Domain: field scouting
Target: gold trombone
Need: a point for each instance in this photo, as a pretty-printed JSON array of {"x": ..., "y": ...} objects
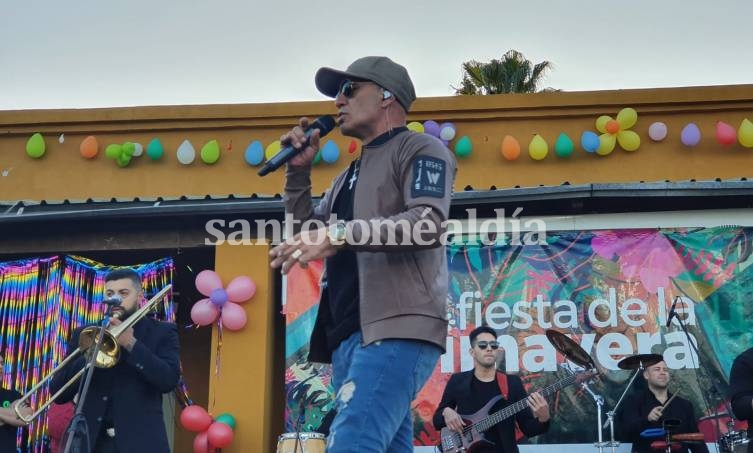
[{"x": 107, "y": 357}]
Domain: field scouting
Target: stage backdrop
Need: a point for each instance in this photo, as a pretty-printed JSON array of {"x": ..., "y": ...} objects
[{"x": 609, "y": 290}]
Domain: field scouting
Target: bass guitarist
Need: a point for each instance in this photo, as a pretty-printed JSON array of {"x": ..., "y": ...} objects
[{"x": 469, "y": 391}]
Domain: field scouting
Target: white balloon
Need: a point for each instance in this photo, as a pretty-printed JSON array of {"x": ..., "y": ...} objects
[
  {"x": 186, "y": 153},
  {"x": 61, "y": 139},
  {"x": 447, "y": 133},
  {"x": 657, "y": 131},
  {"x": 137, "y": 149}
]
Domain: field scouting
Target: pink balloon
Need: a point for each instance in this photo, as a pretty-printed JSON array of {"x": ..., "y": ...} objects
[
  {"x": 207, "y": 281},
  {"x": 201, "y": 443},
  {"x": 725, "y": 134},
  {"x": 204, "y": 312},
  {"x": 241, "y": 289},
  {"x": 233, "y": 316},
  {"x": 220, "y": 435},
  {"x": 195, "y": 418}
]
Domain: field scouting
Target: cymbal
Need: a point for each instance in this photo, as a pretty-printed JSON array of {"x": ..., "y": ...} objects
[
  {"x": 570, "y": 349},
  {"x": 634, "y": 361}
]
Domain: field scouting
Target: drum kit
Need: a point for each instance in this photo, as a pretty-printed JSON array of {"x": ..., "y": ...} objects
[{"x": 731, "y": 442}]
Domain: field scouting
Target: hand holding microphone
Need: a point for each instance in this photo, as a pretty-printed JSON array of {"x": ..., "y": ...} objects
[{"x": 300, "y": 145}]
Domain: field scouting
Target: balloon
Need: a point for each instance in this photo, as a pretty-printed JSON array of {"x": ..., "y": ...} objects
[
  {"x": 330, "y": 152},
  {"x": 220, "y": 435},
  {"x": 240, "y": 289},
  {"x": 61, "y": 139},
  {"x": 113, "y": 151},
  {"x": 613, "y": 127},
  {"x": 606, "y": 144},
  {"x": 745, "y": 133},
  {"x": 210, "y": 152},
  {"x": 123, "y": 160},
  {"x": 352, "y": 147},
  {"x": 447, "y": 131},
  {"x": 128, "y": 149},
  {"x": 195, "y": 418},
  {"x": 254, "y": 154},
  {"x": 657, "y": 131},
  {"x": 628, "y": 140},
  {"x": 725, "y": 134},
  {"x": 417, "y": 127},
  {"x": 138, "y": 150},
  {"x": 272, "y": 149},
  {"x": 463, "y": 147},
  {"x": 317, "y": 157},
  {"x": 589, "y": 141},
  {"x": 233, "y": 316},
  {"x": 218, "y": 297},
  {"x": 564, "y": 146},
  {"x": 35, "y": 146},
  {"x": 186, "y": 153},
  {"x": 627, "y": 118},
  {"x": 227, "y": 419},
  {"x": 510, "y": 148},
  {"x": 89, "y": 147},
  {"x": 201, "y": 443},
  {"x": 431, "y": 128},
  {"x": 601, "y": 123},
  {"x": 207, "y": 281},
  {"x": 690, "y": 135},
  {"x": 154, "y": 149},
  {"x": 538, "y": 148},
  {"x": 204, "y": 312}
]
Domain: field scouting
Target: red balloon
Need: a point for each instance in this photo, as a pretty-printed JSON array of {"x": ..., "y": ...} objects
[
  {"x": 201, "y": 443},
  {"x": 195, "y": 418},
  {"x": 220, "y": 435}
]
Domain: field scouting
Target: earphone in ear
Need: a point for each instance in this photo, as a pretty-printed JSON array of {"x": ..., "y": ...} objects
[{"x": 386, "y": 94}]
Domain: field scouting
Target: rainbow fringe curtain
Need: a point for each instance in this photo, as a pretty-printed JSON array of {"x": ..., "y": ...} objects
[{"x": 43, "y": 300}]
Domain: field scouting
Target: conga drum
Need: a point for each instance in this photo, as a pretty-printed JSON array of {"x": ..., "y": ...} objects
[{"x": 301, "y": 443}]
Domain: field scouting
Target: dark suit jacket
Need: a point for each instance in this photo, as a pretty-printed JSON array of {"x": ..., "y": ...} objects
[
  {"x": 134, "y": 387},
  {"x": 457, "y": 396}
]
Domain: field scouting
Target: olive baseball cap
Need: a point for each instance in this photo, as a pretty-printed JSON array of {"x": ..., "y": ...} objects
[{"x": 380, "y": 70}]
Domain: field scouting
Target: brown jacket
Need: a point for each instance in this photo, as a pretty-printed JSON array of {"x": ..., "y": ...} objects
[{"x": 403, "y": 288}]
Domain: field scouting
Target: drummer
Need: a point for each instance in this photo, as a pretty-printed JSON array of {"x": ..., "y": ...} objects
[{"x": 653, "y": 406}]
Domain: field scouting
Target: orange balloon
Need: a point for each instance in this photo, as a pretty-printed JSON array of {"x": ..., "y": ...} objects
[
  {"x": 510, "y": 148},
  {"x": 613, "y": 126},
  {"x": 89, "y": 147}
]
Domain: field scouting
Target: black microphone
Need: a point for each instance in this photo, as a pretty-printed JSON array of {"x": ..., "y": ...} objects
[
  {"x": 115, "y": 301},
  {"x": 672, "y": 312},
  {"x": 325, "y": 124}
]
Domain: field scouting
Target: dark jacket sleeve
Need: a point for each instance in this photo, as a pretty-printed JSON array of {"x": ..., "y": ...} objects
[
  {"x": 632, "y": 418},
  {"x": 741, "y": 386},
  {"x": 527, "y": 422},
  {"x": 449, "y": 399},
  {"x": 67, "y": 372},
  {"x": 161, "y": 367}
]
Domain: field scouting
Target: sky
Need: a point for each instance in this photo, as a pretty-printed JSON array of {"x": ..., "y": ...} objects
[{"x": 95, "y": 53}]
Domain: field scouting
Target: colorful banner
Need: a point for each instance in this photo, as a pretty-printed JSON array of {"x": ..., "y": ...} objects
[{"x": 609, "y": 290}]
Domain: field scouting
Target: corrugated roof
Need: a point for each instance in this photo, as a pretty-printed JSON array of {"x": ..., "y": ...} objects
[{"x": 37, "y": 210}]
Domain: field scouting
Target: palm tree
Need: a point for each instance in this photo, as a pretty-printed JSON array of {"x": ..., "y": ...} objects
[{"x": 511, "y": 74}]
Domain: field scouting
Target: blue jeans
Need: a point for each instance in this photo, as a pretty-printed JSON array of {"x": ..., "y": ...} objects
[{"x": 375, "y": 385}]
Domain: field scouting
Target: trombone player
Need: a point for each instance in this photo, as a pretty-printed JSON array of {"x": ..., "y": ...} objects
[{"x": 123, "y": 407}]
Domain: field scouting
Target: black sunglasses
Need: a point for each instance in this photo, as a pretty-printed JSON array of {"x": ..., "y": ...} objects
[
  {"x": 348, "y": 88},
  {"x": 483, "y": 344}
]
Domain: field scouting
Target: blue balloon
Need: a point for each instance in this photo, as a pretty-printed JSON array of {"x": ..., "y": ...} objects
[
  {"x": 589, "y": 141},
  {"x": 254, "y": 153},
  {"x": 330, "y": 152}
]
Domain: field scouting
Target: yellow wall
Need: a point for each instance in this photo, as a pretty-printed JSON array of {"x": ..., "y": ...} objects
[{"x": 247, "y": 384}]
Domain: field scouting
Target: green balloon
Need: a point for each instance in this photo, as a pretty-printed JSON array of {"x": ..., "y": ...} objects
[
  {"x": 317, "y": 158},
  {"x": 35, "y": 147},
  {"x": 227, "y": 419},
  {"x": 113, "y": 151},
  {"x": 210, "y": 152},
  {"x": 564, "y": 146},
  {"x": 154, "y": 149},
  {"x": 129, "y": 149},
  {"x": 123, "y": 160},
  {"x": 463, "y": 147}
]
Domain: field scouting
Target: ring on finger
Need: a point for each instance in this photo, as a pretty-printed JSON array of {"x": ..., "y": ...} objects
[{"x": 296, "y": 254}]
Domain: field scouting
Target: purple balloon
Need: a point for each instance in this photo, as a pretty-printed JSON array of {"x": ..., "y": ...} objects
[
  {"x": 690, "y": 135},
  {"x": 218, "y": 297},
  {"x": 431, "y": 128}
]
